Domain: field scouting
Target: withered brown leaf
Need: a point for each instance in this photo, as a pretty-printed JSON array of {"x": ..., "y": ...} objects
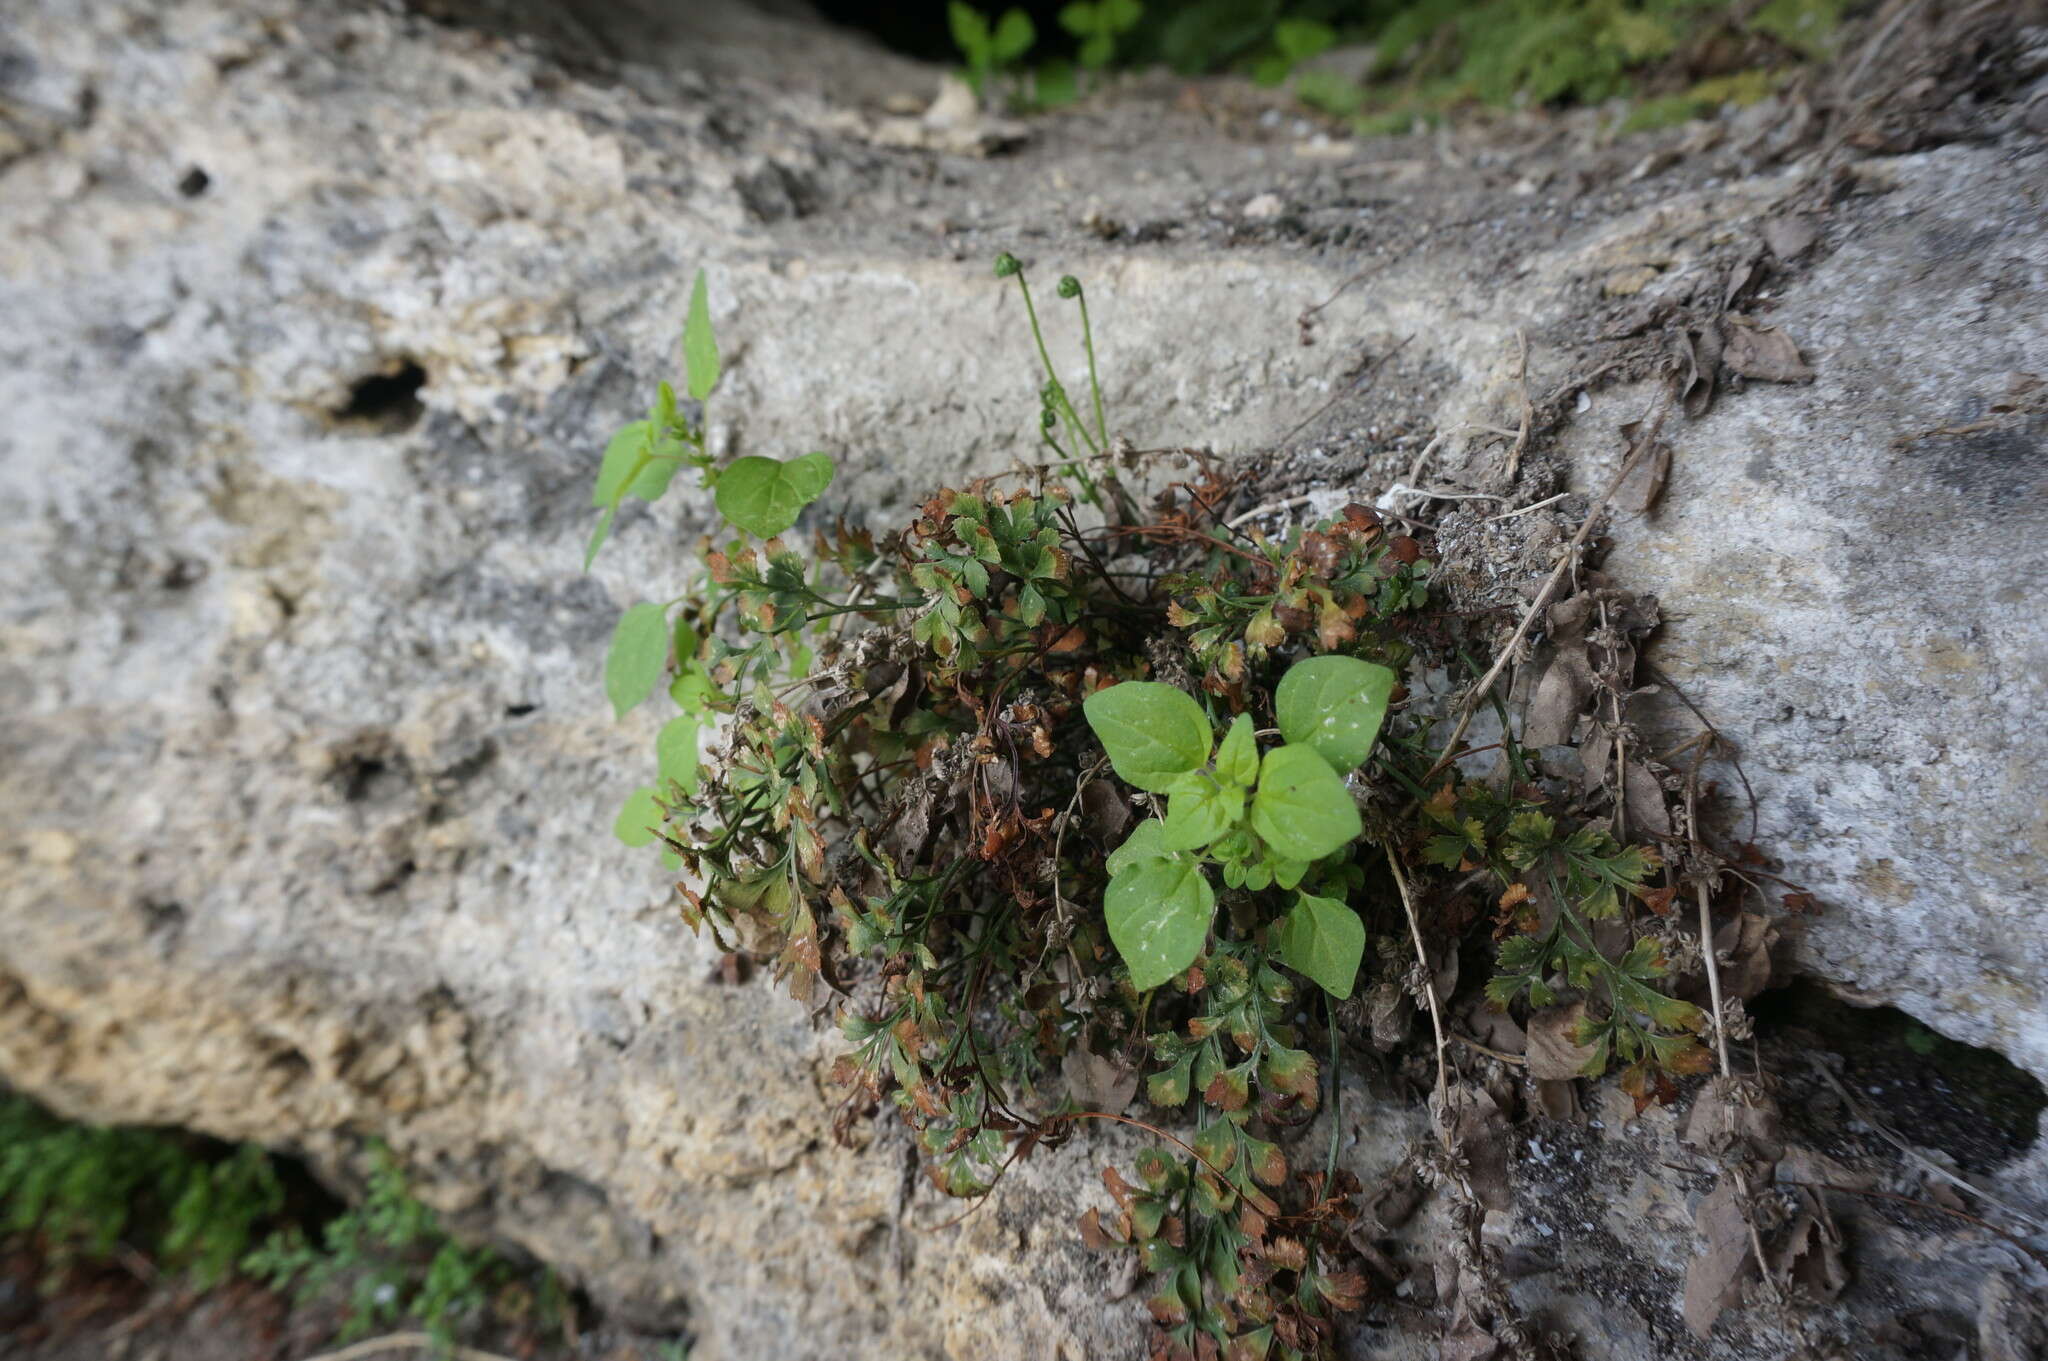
[
  {"x": 1553, "y": 1054},
  {"x": 1762, "y": 352},
  {"x": 1714, "y": 1279}
]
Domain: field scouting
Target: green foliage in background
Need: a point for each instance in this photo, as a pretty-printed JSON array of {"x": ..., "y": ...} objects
[
  {"x": 1428, "y": 57},
  {"x": 83, "y": 1191},
  {"x": 395, "y": 1262}
]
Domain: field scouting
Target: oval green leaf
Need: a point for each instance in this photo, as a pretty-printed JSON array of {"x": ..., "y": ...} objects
[
  {"x": 1158, "y": 913},
  {"x": 638, "y": 819},
  {"x": 675, "y": 752},
  {"x": 1199, "y": 810},
  {"x": 1013, "y": 37},
  {"x": 765, "y": 495},
  {"x": 1237, "y": 758},
  {"x": 621, "y": 465},
  {"x": 597, "y": 537},
  {"x": 638, "y": 654},
  {"x": 1147, "y": 841},
  {"x": 700, "y": 347},
  {"x": 1302, "y": 809},
  {"x": 1324, "y": 940},
  {"x": 1334, "y": 705},
  {"x": 1151, "y": 731},
  {"x": 970, "y": 28}
]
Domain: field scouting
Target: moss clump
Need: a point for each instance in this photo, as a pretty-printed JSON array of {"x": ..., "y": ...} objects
[
  {"x": 82, "y": 1191},
  {"x": 81, "y": 1194}
]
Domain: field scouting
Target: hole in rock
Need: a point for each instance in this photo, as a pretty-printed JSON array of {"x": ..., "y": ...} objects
[
  {"x": 368, "y": 768},
  {"x": 357, "y": 776},
  {"x": 193, "y": 182},
  {"x": 395, "y": 880},
  {"x": 1973, "y": 1104},
  {"x": 388, "y": 401},
  {"x": 162, "y": 917}
]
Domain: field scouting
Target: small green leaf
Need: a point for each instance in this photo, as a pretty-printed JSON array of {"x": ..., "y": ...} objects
[
  {"x": 1237, "y": 758},
  {"x": 1329, "y": 92},
  {"x": 638, "y": 819},
  {"x": 624, "y": 460},
  {"x": 1013, "y": 37},
  {"x": 1078, "y": 18},
  {"x": 662, "y": 463},
  {"x": 1169, "y": 1086},
  {"x": 970, "y": 30},
  {"x": 1151, "y": 731},
  {"x": 700, "y": 347},
  {"x": 1302, "y": 809},
  {"x": 638, "y": 653},
  {"x": 1334, "y": 705},
  {"x": 1147, "y": 841},
  {"x": 598, "y": 535},
  {"x": 692, "y": 690},
  {"x": 675, "y": 752},
  {"x": 1300, "y": 39},
  {"x": 1200, "y": 810},
  {"x": 1030, "y": 606},
  {"x": 765, "y": 495},
  {"x": 1217, "y": 1144},
  {"x": 1323, "y": 939},
  {"x": 636, "y": 463},
  {"x": 1287, "y": 873},
  {"x": 1158, "y": 913}
]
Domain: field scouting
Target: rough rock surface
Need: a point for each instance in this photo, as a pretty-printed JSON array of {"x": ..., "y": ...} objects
[{"x": 314, "y": 318}]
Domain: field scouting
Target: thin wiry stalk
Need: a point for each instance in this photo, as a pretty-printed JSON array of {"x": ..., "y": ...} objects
[{"x": 1094, "y": 383}]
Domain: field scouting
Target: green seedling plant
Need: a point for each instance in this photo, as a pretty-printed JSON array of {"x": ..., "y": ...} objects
[
  {"x": 1253, "y": 820},
  {"x": 1294, "y": 42},
  {"x": 1046, "y": 782},
  {"x": 1099, "y": 24},
  {"x": 989, "y": 49}
]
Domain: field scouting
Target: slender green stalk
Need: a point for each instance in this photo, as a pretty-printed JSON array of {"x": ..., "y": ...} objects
[
  {"x": 1336, "y": 1095},
  {"x": 1094, "y": 383},
  {"x": 1075, "y": 469},
  {"x": 1059, "y": 393}
]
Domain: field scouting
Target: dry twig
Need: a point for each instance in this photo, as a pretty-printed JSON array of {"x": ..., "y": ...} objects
[
  {"x": 1647, "y": 440},
  {"x": 409, "y": 1342}
]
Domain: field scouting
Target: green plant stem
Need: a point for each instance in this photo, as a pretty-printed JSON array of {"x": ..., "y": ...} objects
[
  {"x": 1051, "y": 375},
  {"x": 1094, "y": 383},
  {"x": 1072, "y": 467},
  {"x": 1336, "y": 1094},
  {"x": 866, "y": 607}
]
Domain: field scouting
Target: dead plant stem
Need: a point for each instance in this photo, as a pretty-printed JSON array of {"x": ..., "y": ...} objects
[
  {"x": 409, "y": 1342},
  {"x": 1436, "y": 1020},
  {"x": 1647, "y": 440}
]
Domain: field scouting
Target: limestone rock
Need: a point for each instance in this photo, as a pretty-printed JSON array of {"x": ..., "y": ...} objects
[{"x": 316, "y": 318}]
